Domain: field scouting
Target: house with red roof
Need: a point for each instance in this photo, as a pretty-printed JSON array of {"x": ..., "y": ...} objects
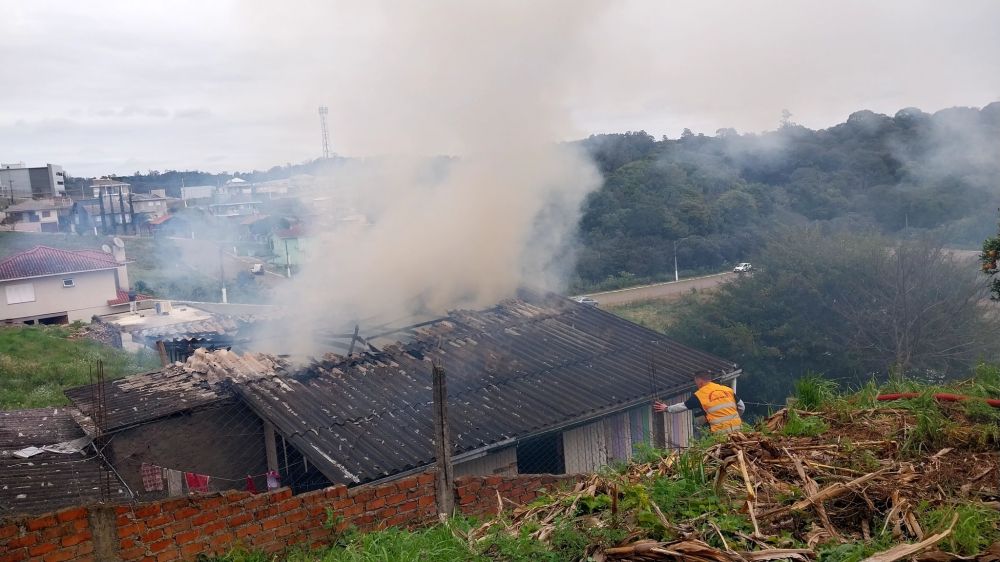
[{"x": 46, "y": 285}]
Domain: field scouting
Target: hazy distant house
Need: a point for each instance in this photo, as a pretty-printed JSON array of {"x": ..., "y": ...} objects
[
  {"x": 288, "y": 245},
  {"x": 109, "y": 210},
  {"x": 193, "y": 195},
  {"x": 40, "y": 215},
  {"x": 51, "y": 286},
  {"x": 236, "y": 206},
  {"x": 18, "y": 181}
]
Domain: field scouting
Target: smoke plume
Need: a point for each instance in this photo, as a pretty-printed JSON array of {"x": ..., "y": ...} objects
[{"x": 471, "y": 196}]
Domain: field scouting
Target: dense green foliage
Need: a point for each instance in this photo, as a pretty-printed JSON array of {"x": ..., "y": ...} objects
[
  {"x": 38, "y": 362},
  {"x": 721, "y": 196},
  {"x": 850, "y": 307}
]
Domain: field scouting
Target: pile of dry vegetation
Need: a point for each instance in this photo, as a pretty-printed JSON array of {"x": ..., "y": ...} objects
[{"x": 837, "y": 478}]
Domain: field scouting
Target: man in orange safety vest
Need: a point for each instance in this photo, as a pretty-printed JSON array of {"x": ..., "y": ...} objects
[{"x": 719, "y": 403}]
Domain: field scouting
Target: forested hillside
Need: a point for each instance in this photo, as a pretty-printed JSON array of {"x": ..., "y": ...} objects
[{"x": 722, "y": 196}]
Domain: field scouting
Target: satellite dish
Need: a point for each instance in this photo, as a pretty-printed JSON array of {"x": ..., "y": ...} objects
[
  {"x": 106, "y": 248},
  {"x": 118, "y": 242}
]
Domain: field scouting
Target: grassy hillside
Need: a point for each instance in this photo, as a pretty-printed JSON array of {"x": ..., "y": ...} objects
[
  {"x": 835, "y": 477},
  {"x": 38, "y": 362}
]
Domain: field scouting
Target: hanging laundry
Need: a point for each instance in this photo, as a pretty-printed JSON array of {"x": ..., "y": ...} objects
[
  {"x": 250, "y": 487},
  {"x": 152, "y": 477},
  {"x": 273, "y": 480},
  {"x": 175, "y": 482},
  {"x": 196, "y": 482}
]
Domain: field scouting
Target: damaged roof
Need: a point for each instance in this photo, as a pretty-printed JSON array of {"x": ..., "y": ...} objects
[
  {"x": 522, "y": 368},
  {"x": 201, "y": 380},
  {"x": 48, "y": 480}
]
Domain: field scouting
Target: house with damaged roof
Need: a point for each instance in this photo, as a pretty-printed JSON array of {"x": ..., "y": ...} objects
[{"x": 536, "y": 384}]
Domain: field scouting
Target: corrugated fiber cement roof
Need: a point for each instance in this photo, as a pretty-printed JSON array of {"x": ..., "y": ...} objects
[{"x": 522, "y": 367}]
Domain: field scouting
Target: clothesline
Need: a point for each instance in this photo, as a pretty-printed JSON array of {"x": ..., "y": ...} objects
[{"x": 242, "y": 478}]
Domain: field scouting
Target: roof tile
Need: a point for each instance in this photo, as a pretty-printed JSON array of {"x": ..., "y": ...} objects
[{"x": 43, "y": 260}]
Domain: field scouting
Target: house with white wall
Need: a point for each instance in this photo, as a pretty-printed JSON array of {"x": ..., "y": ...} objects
[{"x": 51, "y": 286}]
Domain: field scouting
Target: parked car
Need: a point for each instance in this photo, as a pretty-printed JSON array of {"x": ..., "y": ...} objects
[
  {"x": 743, "y": 268},
  {"x": 257, "y": 269},
  {"x": 585, "y": 300}
]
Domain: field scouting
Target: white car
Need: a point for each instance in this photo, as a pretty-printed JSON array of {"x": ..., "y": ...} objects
[
  {"x": 743, "y": 268},
  {"x": 586, "y": 300}
]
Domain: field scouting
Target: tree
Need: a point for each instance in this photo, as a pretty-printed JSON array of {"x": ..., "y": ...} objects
[
  {"x": 849, "y": 306},
  {"x": 988, "y": 261}
]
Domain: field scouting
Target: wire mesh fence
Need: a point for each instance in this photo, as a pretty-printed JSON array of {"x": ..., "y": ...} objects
[{"x": 167, "y": 434}]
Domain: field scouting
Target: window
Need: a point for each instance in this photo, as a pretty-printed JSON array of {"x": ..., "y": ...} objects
[
  {"x": 68, "y": 282},
  {"x": 46, "y": 214},
  {"x": 33, "y": 217},
  {"x": 22, "y": 292}
]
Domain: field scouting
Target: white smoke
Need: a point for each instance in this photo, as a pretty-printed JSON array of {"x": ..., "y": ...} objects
[{"x": 484, "y": 85}]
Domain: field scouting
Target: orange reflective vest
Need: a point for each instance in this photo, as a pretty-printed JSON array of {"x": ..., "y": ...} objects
[{"x": 719, "y": 403}]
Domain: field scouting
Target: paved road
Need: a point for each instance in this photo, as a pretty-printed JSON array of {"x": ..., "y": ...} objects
[{"x": 671, "y": 290}]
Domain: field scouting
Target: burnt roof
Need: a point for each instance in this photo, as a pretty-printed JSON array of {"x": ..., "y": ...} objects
[
  {"x": 37, "y": 426},
  {"x": 202, "y": 380},
  {"x": 148, "y": 396},
  {"x": 51, "y": 481},
  {"x": 523, "y": 367},
  {"x": 47, "y": 481}
]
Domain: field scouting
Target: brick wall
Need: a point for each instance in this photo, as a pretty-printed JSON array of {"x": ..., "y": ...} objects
[
  {"x": 183, "y": 528},
  {"x": 477, "y": 495}
]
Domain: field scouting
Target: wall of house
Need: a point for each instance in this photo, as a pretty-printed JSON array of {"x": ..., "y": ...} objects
[
  {"x": 225, "y": 442},
  {"x": 88, "y": 297},
  {"x": 184, "y": 528},
  {"x": 502, "y": 463},
  {"x": 588, "y": 447}
]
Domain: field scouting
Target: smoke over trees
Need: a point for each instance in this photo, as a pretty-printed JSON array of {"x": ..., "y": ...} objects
[
  {"x": 903, "y": 175},
  {"x": 849, "y": 306}
]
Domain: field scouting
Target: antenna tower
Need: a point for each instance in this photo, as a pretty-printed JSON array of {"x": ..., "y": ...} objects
[{"x": 323, "y": 111}]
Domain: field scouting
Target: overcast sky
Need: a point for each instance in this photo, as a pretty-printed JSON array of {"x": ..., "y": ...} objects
[{"x": 115, "y": 87}]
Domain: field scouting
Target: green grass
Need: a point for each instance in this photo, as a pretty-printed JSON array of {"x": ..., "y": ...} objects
[
  {"x": 813, "y": 392},
  {"x": 38, "y": 362},
  {"x": 439, "y": 543},
  {"x": 657, "y": 314},
  {"x": 799, "y": 426}
]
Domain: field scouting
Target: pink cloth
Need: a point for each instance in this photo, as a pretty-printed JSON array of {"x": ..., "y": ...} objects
[
  {"x": 196, "y": 482},
  {"x": 152, "y": 477}
]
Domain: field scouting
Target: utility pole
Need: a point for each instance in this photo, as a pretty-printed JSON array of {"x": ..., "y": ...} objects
[
  {"x": 677, "y": 273},
  {"x": 445, "y": 481},
  {"x": 222, "y": 274},
  {"x": 288, "y": 261}
]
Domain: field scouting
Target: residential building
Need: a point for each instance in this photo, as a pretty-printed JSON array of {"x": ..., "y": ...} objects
[
  {"x": 148, "y": 206},
  {"x": 235, "y": 206},
  {"x": 40, "y": 215},
  {"x": 197, "y": 194},
  {"x": 536, "y": 384},
  {"x": 51, "y": 286},
  {"x": 18, "y": 182},
  {"x": 288, "y": 246}
]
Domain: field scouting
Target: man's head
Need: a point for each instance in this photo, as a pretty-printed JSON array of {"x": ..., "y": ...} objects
[{"x": 701, "y": 378}]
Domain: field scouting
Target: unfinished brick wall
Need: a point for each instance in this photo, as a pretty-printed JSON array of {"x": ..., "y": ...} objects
[
  {"x": 477, "y": 495},
  {"x": 182, "y": 528}
]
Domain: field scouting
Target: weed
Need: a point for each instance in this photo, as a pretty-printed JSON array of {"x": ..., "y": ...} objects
[
  {"x": 37, "y": 363},
  {"x": 931, "y": 428},
  {"x": 799, "y": 426},
  {"x": 975, "y": 529},
  {"x": 812, "y": 392}
]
